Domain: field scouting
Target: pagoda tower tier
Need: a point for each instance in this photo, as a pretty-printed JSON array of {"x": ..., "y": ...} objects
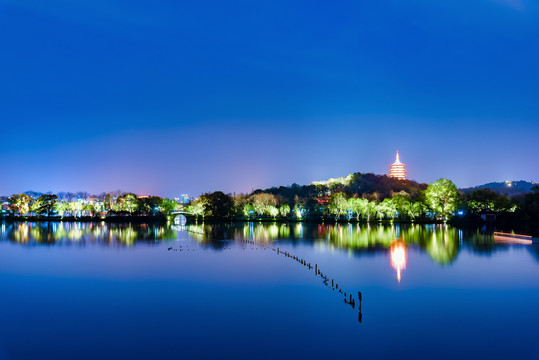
[{"x": 397, "y": 170}]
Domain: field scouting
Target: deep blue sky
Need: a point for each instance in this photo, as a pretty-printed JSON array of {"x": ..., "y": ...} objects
[{"x": 168, "y": 97}]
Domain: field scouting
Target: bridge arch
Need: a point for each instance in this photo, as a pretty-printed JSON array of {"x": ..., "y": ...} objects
[{"x": 179, "y": 218}]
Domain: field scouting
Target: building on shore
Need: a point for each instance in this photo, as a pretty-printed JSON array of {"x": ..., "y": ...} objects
[{"x": 397, "y": 170}]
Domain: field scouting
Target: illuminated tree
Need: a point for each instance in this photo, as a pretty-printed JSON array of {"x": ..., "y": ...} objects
[
  {"x": 75, "y": 207},
  {"x": 128, "y": 202},
  {"x": 247, "y": 210},
  {"x": 20, "y": 203},
  {"x": 167, "y": 206},
  {"x": 357, "y": 206},
  {"x": 198, "y": 207},
  {"x": 298, "y": 211},
  {"x": 44, "y": 204},
  {"x": 442, "y": 197},
  {"x": 380, "y": 211},
  {"x": 337, "y": 204},
  {"x": 99, "y": 206},
  {"x": 284, "y": 210},
  {"x": 262, "y": 201},
  {"x": 111, "y": 200},
  {"x": 259, "y": 208},
  {"x": 62, "y": 207},
  {"x": 272, "y": 211},
  {"x": 416, "y": 209},
  {"x": 402, "y": 204},
  {"x": 370, "y": 210},
  {"x": 93, "y": 209},
  {"x": 387, "y": 207}
]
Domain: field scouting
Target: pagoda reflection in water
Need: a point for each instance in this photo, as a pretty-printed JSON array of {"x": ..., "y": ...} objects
[{"x": 398, "y": 257}]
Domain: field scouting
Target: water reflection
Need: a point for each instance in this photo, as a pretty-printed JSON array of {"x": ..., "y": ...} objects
[
  {"x": 398, "y": 257},
  {"x": 81, "y": 233},
  {"x": 442, "y": 243}
]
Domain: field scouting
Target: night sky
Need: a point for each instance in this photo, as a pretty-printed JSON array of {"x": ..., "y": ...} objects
[{"x": 170, "y": 97}]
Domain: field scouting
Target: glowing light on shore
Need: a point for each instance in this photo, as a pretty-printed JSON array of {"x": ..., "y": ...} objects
[{"x": 398, "y": 257}]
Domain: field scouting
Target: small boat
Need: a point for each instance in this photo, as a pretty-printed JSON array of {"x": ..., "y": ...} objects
[{"x": 511, "y": 238}]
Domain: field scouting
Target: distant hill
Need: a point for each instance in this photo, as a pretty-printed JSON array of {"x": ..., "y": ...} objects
[
  {"x": 509, "y": 188},
  {"x": 354, "y": 184}
]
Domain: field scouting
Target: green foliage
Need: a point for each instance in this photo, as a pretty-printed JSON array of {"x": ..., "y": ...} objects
[
  {"x": 62, "y": 207},
  {"x": 357, "y": 206},
  {"x": 416, "y": 209},
  {"x": 357, "y": 184},
  {"x": 442, "y": 197},
  {"x": 337, "y": 204},
  {"x": 197, "y": 207},
  {"x": 247, "y": 210},
  {"x": 284, "y": 210},
  {"x": 217, "y": 204},
  {"x": 402, "y": 204},
  {"x": 151, "y": 204},
  {"x": 370, "y": 210},
  {"x": 262, "y": 201},
  {"x": 167, "y": 206},
  {"x": 353, "y": 197},
  {"x": 387, "y": 207},
  {"x": 259, "y": 208},
  {"x": 272, "y": 211},
  {"x": 528, "y": 207},
  {"x": 481, "y": 200},
  {"x": 128, "y": 202},
  {"x": 44, "y": 204},
  {"x": 92, "y": 209},
  {"x": 298, "y": 211},
  {"x": 75, "y": 207},
  {"x": 20, "y": 203}
]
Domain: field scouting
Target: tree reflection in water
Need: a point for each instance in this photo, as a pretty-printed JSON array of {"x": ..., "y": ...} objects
[
  {"x": 82, "y": 233},
  {"x": 441, "y": 242}
]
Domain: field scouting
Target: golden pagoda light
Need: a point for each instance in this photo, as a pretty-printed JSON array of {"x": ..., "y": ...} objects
[{"x": 397, "y": 170}]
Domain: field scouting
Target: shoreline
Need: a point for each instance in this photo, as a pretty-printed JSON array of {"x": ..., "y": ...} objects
[
  {"x": 208, "y": 220},
  {"x": 530, "y": 229}
]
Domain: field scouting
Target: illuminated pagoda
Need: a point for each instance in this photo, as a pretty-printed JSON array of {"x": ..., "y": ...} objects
[{"x": 397, "y": 170}]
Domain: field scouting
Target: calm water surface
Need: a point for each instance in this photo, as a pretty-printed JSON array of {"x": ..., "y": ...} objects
[{"x": 89, "y": 291}]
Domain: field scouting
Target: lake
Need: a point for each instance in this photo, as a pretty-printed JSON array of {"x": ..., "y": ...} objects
[{"x": 264, "y": 291}]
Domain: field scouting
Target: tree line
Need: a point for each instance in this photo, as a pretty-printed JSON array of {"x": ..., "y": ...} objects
[
  {"x": 440, "y": 200},
  {"x": 83, "y": 204},
  {"x": 354, "y": 198}
]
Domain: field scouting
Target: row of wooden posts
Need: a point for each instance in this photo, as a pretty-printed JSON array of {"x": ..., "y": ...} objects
[{"x": 348, "y": 298}]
